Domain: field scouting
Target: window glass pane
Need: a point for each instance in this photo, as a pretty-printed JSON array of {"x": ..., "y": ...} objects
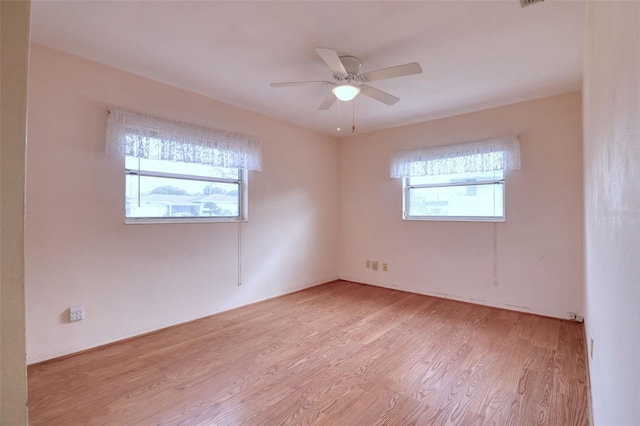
[
  {"x": 485, "y": 200},
  {"x": 164, "y": 166},
  {"x": 458, "y": 177},
  {"x": 167, "y": 197}
]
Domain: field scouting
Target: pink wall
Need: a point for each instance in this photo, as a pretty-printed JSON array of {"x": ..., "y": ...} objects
[
  {"x": 612, "y": 208},
  {"x": 539, "y": 257},
  {"x": 136, "y": 278}
]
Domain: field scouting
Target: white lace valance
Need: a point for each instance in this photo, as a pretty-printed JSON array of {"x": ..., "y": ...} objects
[
  {"x": 481, "y": 156},
  {"x": 144, "y": 136}
]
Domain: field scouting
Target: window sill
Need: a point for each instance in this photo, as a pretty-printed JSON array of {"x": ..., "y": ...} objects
[
  {"x": 454, "y": 219},
  {"x": 144, "y": 221}
]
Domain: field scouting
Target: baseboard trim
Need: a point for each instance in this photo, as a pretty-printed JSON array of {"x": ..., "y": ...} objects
[
  {"x": 508, "y": 307},
  {"x": 587, "y": 347},
  {"x": 101, "y": 343}
]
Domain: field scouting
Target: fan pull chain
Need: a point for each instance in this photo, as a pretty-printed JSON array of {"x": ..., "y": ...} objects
[{"x": 353, "y": 116}]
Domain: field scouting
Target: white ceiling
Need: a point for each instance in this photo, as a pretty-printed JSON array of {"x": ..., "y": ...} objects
[{"x": 475, "y": 54}]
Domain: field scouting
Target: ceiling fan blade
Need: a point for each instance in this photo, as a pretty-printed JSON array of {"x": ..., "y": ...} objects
[
  {"x": 301, "y": 83},
  {"x": 331, "y": 58},
  {"x": 391, "y": 72},
  {"x": 378, "y": 95},
  {"x": 328, "y": 102}
]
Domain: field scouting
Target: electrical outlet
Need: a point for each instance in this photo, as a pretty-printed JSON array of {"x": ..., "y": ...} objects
[
  {"x": 384, "y": 267},
  {"x": 76, "y": 313},
  {"x": 368, "y": 264},
  {"x": 374, "y": 265}
]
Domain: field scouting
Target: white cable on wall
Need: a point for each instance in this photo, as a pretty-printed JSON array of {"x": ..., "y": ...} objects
[
  {"x": 495, "y": 253},
  {"x": 239, "y": 253}
]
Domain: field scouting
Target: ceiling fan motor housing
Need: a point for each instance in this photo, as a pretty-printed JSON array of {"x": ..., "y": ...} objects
[{"x": 353, "y": 66}]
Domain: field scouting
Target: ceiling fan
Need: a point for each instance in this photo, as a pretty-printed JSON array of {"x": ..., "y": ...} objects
[{"x": 348, "y": 81}]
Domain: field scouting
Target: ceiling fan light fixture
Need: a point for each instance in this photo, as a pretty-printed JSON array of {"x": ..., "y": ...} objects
[{"x": 346, "y": 92}]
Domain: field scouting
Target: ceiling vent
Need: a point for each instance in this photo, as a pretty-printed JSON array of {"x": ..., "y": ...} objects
[{"x": 525, "y": 3}]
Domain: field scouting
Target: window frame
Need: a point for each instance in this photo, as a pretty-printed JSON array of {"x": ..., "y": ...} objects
[
  {"x": 241, "y": 181},
  {"x": 406, "y": 200}
]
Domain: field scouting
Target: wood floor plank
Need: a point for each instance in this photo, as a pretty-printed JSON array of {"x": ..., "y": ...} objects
[{"x": 340, "y": 353}]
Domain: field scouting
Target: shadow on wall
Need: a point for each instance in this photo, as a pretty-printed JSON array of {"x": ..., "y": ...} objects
[{"x": 285, "y": 252}]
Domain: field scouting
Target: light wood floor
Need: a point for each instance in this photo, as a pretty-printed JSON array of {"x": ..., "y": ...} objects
[{"x": 337, "y": 354}]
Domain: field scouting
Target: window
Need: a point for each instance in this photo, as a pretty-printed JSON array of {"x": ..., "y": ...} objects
[
  {"x": 160, "y": 190},
  {"x": 456, "y": 182},
  {"x": 179, "y": 172},
  {"x": 460, "y": 196}
]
